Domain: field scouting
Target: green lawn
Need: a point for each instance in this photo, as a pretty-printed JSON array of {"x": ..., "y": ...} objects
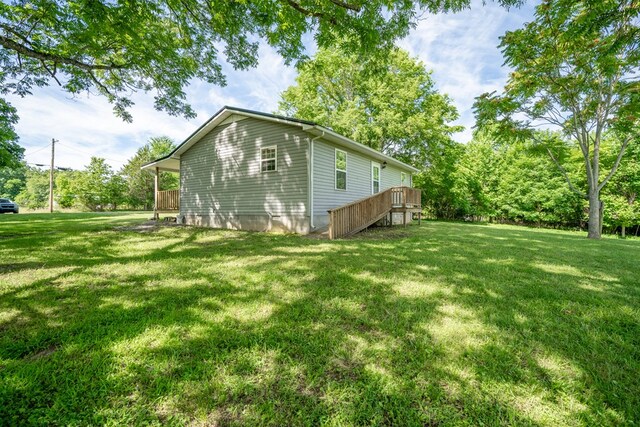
[{"x": 442, "y": 324}]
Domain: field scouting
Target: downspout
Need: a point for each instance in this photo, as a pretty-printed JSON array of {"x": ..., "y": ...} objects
[{"x": 311, "y": 141}]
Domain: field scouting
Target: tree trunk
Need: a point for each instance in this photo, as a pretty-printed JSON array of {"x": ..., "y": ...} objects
[
  {"x": 601, "y": 215},
  {"x": 594, "y": 215},
  {"x": 623, "y": 231}
]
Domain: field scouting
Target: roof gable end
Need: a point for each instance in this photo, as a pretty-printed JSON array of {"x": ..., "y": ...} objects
[{"x": 232, "y": 114}]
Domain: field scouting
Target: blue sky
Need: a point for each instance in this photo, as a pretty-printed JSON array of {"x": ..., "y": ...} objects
[{"x": 460, "y": 48}]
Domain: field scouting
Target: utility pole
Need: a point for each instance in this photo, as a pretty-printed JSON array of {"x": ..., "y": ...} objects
[{"x": 53, "y": 154}]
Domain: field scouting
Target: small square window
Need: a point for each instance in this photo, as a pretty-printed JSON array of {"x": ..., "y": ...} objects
[{"x": 268, "y": 159}]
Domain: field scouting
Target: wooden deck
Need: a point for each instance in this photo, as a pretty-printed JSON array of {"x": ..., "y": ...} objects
[{"x": 356, "y": 216}]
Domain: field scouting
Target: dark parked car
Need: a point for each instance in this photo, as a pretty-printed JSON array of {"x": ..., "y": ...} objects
[{"x": 7, "y": 205}]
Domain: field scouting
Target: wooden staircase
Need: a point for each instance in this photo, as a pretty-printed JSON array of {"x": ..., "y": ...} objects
[{"x": 356, "y": 216}]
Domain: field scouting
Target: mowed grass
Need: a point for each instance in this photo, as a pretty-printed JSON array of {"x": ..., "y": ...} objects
[{"x": 442, "y": 324}]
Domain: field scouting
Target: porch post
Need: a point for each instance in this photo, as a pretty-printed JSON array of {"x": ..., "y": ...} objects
[{"x": 156, "y": 185}]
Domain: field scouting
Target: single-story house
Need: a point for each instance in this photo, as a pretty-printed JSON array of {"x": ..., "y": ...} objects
[{"x": 249, "y": 170}]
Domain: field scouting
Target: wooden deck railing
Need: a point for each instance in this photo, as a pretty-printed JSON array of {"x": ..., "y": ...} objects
[
  {"x": 406, "y": 197},
  {"x": 358, "y": 215},
  {"x": 168, "y": 200}
]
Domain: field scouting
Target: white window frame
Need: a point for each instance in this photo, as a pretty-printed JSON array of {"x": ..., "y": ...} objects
[
  {"x": 403, "y": 179},
  {"x": 373, "y": 165},
  {"x": 262, "y": 161},
  {"x": 336, "y": 170}
]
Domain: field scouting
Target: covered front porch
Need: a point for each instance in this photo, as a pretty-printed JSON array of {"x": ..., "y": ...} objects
[{"x": 165, "y": 201}]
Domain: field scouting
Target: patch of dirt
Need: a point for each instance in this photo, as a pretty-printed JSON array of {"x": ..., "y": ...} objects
[
  {"x": 343, "y": 369},
  {"x": 43, "y": 353},
  {"x": 391, "y": 233},
  {"x": 33, "y": 233},
  {"x": 218, "y": 418},
  {"x": 307, "y": 390},
  {"x": 322, "y": 234},
  {"x": 373, "y": 232},
  {"x": 148, "y": 226}
]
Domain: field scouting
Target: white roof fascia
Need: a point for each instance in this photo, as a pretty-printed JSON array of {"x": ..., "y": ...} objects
[{"x": 161, "y": 164}]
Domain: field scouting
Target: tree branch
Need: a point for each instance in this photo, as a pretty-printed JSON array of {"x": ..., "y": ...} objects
[
  {"x": 346, "y": 5},
  {"x": 52, "y": 73},
  {"x": 10, "y": 44},
  {"x": 100, "y": 86},
  {"x": 308, "y": 12},
  {"x": 10, "y": 30},
  {"x": 614, "y": 168},
  {"x": 566, "y": 175}
]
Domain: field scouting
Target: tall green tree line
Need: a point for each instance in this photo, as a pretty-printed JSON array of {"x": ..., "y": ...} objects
[
  {"x": 493, "y": 180},
  {"x": 96, "y": 187},
  {"x": 575, "y": 69}
]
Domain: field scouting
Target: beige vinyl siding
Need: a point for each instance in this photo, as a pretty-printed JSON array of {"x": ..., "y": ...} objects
[
  {"x": 220, "y": 174},
  {"x": 326, "y": 197}
]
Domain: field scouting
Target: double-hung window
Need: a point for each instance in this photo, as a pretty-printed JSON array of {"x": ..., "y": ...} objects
[
  {"x": 375, "y": 178},
  {"x": 403, "y": 179},
  {"x": 341, "y": 170},
  {"x": 269, "y": 159}
]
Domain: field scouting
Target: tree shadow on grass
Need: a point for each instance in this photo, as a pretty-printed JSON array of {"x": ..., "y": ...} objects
[{"x": 215, "y": 327}]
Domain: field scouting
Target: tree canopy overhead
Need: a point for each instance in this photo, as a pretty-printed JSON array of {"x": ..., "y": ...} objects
[
  {"x": 10, "y": 151},
  {"x": 389, "y": 104},
  {"x": 119, "y": 47},
  {"x": 575, "y": 68}
]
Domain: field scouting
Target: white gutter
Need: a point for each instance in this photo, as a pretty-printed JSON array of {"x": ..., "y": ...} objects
[{"x": 311, "y": 141}]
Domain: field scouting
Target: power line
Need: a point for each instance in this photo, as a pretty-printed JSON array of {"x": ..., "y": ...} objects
[
  {"x": 39, "y": 149},
  {"x": 42, "y": 165},
  {"x": 93, "y": 154}
]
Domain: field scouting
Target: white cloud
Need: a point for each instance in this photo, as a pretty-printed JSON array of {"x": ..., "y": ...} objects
[
  {"x": 462, "y": 51},
  {"x": 86, "y": 126}
]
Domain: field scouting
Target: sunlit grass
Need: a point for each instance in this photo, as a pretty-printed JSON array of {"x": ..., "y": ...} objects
[{"x": 443, "y": 324}]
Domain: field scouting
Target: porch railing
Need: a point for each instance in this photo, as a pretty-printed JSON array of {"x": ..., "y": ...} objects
[
  {"x": 406, "y": 197},
  {"x": 168, "y": 200}
]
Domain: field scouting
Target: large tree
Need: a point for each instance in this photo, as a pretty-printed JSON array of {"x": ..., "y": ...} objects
[
  {"x": 13, "y": 180},
  {"x": 140, "y": 183},
  {"x": 92, "y": 185},
  {"x": 575, "y": 68},
  {"x": 10, "y": 152},
  {"x": 116, "y": 47},
  {"x": 532, "y": 190},
  {"x": 388, "y": 103},
  {"x": 35, "y": 193}
]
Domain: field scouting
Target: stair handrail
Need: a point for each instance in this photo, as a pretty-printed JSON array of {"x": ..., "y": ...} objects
[{"x": 355, "y": 216}]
